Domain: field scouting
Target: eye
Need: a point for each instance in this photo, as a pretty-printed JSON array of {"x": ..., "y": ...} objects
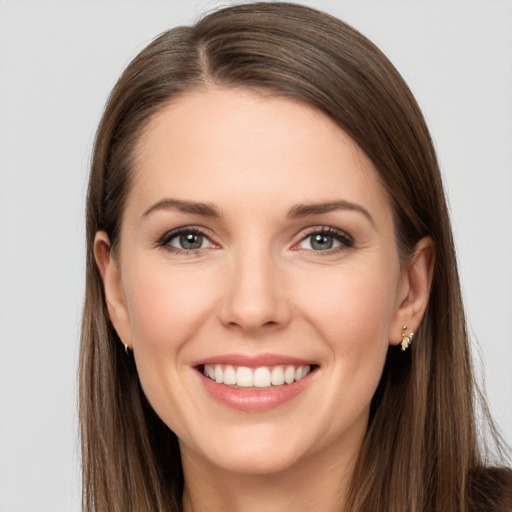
[
  {"x": 326, "y": 239},
  {"x": 185, "y": 240}
]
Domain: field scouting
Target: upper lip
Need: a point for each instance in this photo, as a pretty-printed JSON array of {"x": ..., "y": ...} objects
[{"x": 253, "y": 361}]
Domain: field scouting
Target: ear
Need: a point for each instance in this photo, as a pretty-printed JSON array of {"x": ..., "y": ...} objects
[
  {"x": 413, "y": 290},
  {"x": 113, "y": 287}
]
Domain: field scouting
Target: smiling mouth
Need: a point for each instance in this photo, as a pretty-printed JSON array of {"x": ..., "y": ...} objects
[
  {"x": 255, "y": 384},
  {"x": 262, "y": 377}
]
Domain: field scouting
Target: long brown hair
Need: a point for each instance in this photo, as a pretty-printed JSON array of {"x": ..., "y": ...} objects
[{"x": 421, "y": 451}]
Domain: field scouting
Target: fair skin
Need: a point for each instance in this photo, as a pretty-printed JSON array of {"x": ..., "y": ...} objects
[{"x": 257, "y": 274}]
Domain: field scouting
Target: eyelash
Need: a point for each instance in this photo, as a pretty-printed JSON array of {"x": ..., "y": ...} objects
[
  {"x": 345, "y": 240},
  {"x": 165, "y": 240}
]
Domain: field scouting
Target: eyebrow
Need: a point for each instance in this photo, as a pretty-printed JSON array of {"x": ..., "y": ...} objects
[
  {"x": 304, "y": 210},
  {"x": 205, "y": 209},
  {"x": 299, "y": 210}
]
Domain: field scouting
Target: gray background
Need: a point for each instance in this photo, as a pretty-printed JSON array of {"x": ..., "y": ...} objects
[{"x": 58, "y": 61}]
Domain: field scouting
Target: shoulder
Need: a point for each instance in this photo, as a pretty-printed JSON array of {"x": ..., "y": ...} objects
[{"x": 490, "y": 490}]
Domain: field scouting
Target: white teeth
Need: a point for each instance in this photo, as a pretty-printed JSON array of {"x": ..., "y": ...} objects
[
  {"x": 277, "y": 376},
  {"x": 261, "y": 377},
  {"x": 289, "y": 374},
  {"x": 302, "y": 371},
  {"x": 244, "y": 377},
  {"x": 229, "y": 375}
]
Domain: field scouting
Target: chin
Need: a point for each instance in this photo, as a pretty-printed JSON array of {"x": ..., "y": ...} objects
[
  {"x": 257, "y": 461},
  {"x": 255, "y": 452}
]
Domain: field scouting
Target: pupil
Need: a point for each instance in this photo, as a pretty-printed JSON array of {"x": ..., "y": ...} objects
[
  {"x": 191, "y": 241},
  {"x": 322, "y": 242}
]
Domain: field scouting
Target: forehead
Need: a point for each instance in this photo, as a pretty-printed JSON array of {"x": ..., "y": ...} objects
[{"x": 223, "y": 144}]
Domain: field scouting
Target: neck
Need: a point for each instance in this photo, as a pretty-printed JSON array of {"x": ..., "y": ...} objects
[{"x": 318, "y": 483}]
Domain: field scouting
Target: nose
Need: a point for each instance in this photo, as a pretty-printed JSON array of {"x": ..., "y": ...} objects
[{"x": 254, "y": 295}]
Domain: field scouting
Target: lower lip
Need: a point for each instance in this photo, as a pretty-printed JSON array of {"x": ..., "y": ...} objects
[{"x": 254, "y": 400}]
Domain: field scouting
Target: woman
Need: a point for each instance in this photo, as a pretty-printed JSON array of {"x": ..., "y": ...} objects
[{"x": 273, "y": 315}]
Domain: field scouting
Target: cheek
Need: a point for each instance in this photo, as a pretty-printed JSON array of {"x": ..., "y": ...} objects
[
  {"x": 352, "y": 307},
  {"x": 166, "y": 305}
]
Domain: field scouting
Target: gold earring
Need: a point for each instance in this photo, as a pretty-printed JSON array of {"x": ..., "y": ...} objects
[
  {"x": 406, "y": 338},
  {"x": 126, "y": 349}
]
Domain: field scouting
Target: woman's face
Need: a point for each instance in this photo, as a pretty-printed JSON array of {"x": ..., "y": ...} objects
[{"x": 257, "y": 244}]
